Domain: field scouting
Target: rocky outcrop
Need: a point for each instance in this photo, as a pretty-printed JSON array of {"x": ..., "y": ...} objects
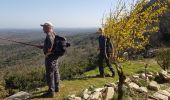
[
  {"x": 105, "y": 93},
  {"x": 164, "y": 75},
  {"x": 19, "y": 96},
  {"x": 142, "y": 83},
  {"x": 160, "y": 96}
]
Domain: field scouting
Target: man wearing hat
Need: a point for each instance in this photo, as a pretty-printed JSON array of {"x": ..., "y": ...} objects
[{"x": 51, "y": 62}]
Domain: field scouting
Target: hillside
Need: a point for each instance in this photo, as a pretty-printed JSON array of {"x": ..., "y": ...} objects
[
  {"x": 17, "y": 56},
  {"x": 78, "y": 69},
  {"x": 140, "y": 35},
  {"x": 22, "y": 67},
  {"x": 76, "y": 86},
  {"x": 22, "y": 62}
]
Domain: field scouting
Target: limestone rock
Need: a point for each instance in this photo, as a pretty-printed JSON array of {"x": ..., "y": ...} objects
[
  {"x": 164, "y": 92},
  {"x": 143, "y": 89},
  {"x": 164, "y": 75},
  {"x": 73, "y": 97},
  {"x": 95, "y": 96},
  {"x": 19, "y": 96},
  {"x": 168, "y": 90},
  {"x": 160, "y": 96},
  {"x": 98, "y": 89},
  {"x": 150, "y": 73},
  {"x": 136, "y": 76},
  {"x": 127, "y": 80},
  {"x": 70, "y": 97},
  {"x": 133, "y": 86},
  {"x": 77, "y": 98},
  {"x": 108, "y": 94},
  {"x": 85, "y": 94},
  {"x": 142, "y": 75},
  {"x": 153, "y": 85}
]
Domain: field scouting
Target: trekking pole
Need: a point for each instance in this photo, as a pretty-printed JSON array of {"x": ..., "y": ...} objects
[{"x": 19, "y": 42}]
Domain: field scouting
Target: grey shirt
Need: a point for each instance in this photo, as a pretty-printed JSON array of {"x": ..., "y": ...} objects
[{"x": 48, "y": 42}]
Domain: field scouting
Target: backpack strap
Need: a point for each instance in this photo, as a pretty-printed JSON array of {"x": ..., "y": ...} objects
[{"x": 60, "y": 38}]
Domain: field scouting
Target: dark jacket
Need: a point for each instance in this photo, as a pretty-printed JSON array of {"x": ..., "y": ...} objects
[
  {"x": 105, "y": 45},
  {"x": 102, "y": 43},
  {"x": 48, "y": 43}
]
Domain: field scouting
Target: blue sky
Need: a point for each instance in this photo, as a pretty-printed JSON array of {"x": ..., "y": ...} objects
[{"x": 62, "y": 13}]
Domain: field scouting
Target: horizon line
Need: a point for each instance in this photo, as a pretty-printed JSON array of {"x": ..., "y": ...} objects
[{"x": 54, "y": 28}]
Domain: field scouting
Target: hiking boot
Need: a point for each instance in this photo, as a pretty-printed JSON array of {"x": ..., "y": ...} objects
[
  {"x": 57, "y": 89},
  {"x": 48, "y": 95}
]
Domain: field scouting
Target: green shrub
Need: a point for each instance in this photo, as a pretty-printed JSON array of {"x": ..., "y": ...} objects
[
  {"x": 163, "y": 58},
  {"x": 25, "y": 79},
  {"x": 3, "y": 92},
  {"x": 76, "y": 67}
]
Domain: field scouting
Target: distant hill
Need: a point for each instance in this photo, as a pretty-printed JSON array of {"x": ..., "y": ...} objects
[
  {"x": 26, "y": 35},
  {"x": 83, "y": 49}
]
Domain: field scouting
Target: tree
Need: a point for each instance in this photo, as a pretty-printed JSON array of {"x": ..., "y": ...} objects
[{"x": 129, "y": 28}]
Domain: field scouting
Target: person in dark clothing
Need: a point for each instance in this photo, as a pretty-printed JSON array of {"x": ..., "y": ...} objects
[
  {"x": 105, "y": 48},
  {"x": 51, "y": 62}
]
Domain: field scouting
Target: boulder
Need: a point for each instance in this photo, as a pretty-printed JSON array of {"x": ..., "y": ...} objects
[
  {"x": 164, "y": 92},
  {"x": 142, "y": 75},
  {"x": 95, "y": 96},
  {"x": 19, "y": 96},
  {"x": 153, "y": 85},
  {"x": 85, "y": 94},
  {"x": 70, "y": 97},
  {"x": 108, "y": 93},
  {"x": 143, "y": 89},
  {"x": 160, "y": 96},
  {"x": 73, "y": 97},
  {"x": 151, "y": 97},
  {"x": 164, "y": 75},
  {"x": 168, "y": 90},
  {"x": 136, "y": 76},
  {"x": 77, "y": 98},
  {"x": 133, "y": 86},
  {"x": 98, "y": 89},
  {"x": 127, "y": 80}
]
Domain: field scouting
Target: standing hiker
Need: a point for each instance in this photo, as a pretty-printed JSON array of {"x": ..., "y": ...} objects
[
  {"x": 51, "y": 61},
  {"x": 105, "y": 47}
]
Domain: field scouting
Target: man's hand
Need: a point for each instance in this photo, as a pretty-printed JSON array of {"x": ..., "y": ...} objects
[
  {"x": 49, "y": 53},
  {"x": 68, "y": 44},
  {"x": 40, "y": 46}
]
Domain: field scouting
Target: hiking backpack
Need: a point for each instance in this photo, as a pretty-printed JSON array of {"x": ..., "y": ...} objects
[
  {"x": 60, "y": 45},
  {"x": 109, "y": 46}
]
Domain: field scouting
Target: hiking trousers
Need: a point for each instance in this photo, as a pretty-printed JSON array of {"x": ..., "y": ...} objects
[
  {"x": 101, "y": 60},
  {"x": 52, "y": 73}
]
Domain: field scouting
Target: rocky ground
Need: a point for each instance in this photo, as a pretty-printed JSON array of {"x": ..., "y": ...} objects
[
  {"x": 143, "y": 86},
  {"x": 153, "y": 86}
]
